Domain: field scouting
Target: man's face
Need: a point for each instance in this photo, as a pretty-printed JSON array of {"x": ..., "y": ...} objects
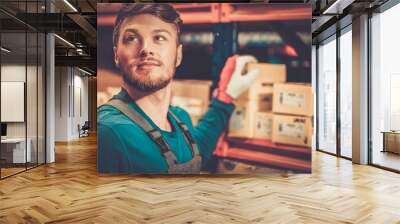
[{"x": 147, "y": 52}]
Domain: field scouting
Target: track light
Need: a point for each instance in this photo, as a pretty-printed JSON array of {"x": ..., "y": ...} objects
[
  {"x": 70, "y": 5},
  {"x": 5, "y": 50},
  {"x": 337, "y": 7},
  {"x": 65, "y": 41},
  {"x": 84, "y": 71}
]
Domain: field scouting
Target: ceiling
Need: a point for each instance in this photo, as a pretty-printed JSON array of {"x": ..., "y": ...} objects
[{"x": 331, "y": 15}]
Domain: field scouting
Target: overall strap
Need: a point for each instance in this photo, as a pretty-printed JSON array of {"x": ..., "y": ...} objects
[
  {"x": 188, "y": 137},
  {"x": 154, "y": 134}
]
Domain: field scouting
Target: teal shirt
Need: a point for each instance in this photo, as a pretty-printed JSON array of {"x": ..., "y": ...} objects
[{"x": 124, "y": 147}]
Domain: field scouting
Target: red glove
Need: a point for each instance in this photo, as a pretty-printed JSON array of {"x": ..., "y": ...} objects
[{"x": 225, "y": 77}]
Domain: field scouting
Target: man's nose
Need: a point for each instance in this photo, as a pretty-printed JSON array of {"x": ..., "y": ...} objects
[{"x": 147, "y": 48}]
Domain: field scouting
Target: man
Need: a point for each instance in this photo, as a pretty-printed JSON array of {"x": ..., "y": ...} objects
[{"x": 138, "y": 130}]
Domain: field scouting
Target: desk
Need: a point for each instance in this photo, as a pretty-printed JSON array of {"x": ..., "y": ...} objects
[
  {"x": 391, "y": 141},
  {"x": 13, "y": 150}
]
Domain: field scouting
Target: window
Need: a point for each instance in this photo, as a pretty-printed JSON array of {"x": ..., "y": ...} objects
[
  {"x": 327, "y": 96},
  {"x": 385, "y": 88},
  {"x": 22, "y": 75},
  {"x": 346, "y": 93}
]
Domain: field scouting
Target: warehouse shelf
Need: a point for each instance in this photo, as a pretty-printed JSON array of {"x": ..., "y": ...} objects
[
  {"x": 196, "y": 13},
  {"x": 262, "y": 144},
  {"x": 236, "y": 12},
  {"x": 283, "y": 162},
  {"x": 265, "y": 152}
]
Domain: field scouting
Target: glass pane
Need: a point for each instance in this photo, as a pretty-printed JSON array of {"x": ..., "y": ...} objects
[
  {"x": 13, "y": 87},
  {"x": 17, "y": 8},
  {"x": 327, "y": 96},
  {"x": 346, "y": 94},
  {"x": 41, "y": 98},
  {"x": 313, "y": 82},
  {"x": 31, "y": 97},
  {"x": 385, "y": 89}
]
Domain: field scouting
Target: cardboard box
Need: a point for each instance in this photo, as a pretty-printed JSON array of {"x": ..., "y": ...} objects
[
  {"x": 191, "y": 95},
  {"x": 270, "y": 74},
  {"x": 240, "y": 122},
  {"x": 195, "y": 119},
  {"x": 264, "y": 101},
  {"x": 293, "y": 98},
  {"x": 292, "y": 130},
  {"x": 243, "y": 119},
  {"x": 263, "y": 123}
]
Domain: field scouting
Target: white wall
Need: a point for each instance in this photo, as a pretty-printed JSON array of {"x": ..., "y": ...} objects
[
  {"x": 70, "y": 83},
  {"x": 61, "y": 103},
  {"x": 34, "y": 124},
  {"x": 10, "y": 73}
]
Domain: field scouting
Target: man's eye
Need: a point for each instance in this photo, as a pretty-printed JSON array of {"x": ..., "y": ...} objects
[
  {"x": 131, "y": 38},
  {"x": 160, "y": 38}
]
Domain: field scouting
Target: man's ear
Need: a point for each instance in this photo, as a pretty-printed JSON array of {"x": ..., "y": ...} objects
[
  {"x": 179, "y": 55},
  {"x": 116, "y": 59}
]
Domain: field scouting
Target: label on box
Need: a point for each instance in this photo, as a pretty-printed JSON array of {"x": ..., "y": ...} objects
[
  {"x": 237, "y": 119},
  {"x": 293, "y": 130},
  {"x": 292, "y": 99},
  {"x": 263, "y": 127},
  {"x": 265, "y": 103}
]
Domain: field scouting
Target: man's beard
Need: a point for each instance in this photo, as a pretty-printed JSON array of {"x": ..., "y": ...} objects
[{"x": 145, "y": 86}]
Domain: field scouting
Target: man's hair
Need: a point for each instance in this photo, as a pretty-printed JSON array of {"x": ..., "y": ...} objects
[{"x": 163, "y": 11}]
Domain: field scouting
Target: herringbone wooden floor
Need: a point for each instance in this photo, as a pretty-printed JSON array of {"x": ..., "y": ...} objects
[{"x": 70, "y": 191}]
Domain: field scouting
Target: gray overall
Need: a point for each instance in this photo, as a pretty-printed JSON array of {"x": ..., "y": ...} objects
[{"x": 190, "y": 167}]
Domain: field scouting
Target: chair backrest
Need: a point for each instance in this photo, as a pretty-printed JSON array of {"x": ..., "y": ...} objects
[{"x": 86, "y": 125}]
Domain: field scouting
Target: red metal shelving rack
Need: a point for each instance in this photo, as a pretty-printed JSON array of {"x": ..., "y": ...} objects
[
  {"x": 265, "y": 152},
  {"x": 203, "y": 13}
]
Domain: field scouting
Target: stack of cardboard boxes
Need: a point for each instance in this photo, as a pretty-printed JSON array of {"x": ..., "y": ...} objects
[
  {"x": 273, "y": 109},
  {"x": 255, "y": 105},
  {"x": 293, "y": 111}
]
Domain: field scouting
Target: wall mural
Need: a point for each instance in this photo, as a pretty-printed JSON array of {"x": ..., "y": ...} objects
[{"x": 204, "y": 88}]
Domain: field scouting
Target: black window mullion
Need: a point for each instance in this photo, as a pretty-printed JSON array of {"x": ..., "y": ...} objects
[
  {"x": 26, "y": 87},
  {"x": 369, "y": 79},
  {"x": 45, "y": 87},
  {"x": 338, "y": 95},
  {"x": 317, "y": 97},
  {"x": 37, "y": 90}
]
